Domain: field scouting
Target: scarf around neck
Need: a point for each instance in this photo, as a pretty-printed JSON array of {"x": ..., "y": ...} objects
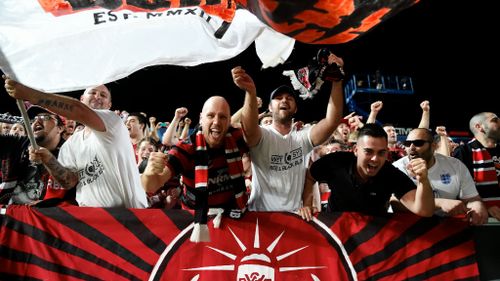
[{"x": 235, "y": 171}]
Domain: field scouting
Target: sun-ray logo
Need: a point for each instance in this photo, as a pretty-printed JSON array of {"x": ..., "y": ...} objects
[
  {"x": 256, "y": 266},
  {"x": 262, "y": 251}
]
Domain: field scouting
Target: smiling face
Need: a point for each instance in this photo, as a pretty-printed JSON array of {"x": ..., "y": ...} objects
[
  {"x": 144, "y": 150},
  {"x": 371, "y": 153},
  {"x": 215, "y": 119},
  {"x": 98, "y": 97}
]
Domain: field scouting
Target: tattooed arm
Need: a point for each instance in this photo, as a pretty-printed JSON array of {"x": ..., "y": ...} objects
[
  {"x": 66, "y": 177},
  {"x": 68, "y": 107}
]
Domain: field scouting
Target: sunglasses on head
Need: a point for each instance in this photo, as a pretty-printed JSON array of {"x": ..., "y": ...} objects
[{"x": 417, "y": 143}]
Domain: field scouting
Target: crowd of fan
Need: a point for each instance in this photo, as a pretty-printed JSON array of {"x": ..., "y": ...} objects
[{"x": 256, "y": 159}]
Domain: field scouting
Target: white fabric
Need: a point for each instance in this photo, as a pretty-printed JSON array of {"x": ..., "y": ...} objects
[
  {"x": 278, "y": 169},
  {"x": 273, "y": 48},
  {"x": 449, "y": 177},
  {"x": 95, "y": 46},
  {"x": 106, "y": 166}
]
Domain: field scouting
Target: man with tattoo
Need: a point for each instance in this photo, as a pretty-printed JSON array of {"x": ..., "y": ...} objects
[
  {"x": 97, "y": 160},
  {"x": 25, "y": 182}
]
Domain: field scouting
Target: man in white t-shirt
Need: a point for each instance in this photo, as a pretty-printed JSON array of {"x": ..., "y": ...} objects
[
  {"x": 98, "y": 160},
  {"x": 454, "y": 190},
  {"x": 279, "y": 151}
]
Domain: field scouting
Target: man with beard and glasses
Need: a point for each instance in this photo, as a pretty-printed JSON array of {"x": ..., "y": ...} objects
[
  {"x": 481, "y": 155},
  {"x": 98, "y": 161},
  {"x": 363, "y": 180},
  {"x": 279, "y": 152},
  {"x": 454, "y": 191},
  {"x": 25, "y": 182}
]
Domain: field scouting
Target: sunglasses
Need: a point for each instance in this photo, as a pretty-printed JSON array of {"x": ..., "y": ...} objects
[
  {"x": 417, "y": 143},
  {"x": 43, "y": 118}
]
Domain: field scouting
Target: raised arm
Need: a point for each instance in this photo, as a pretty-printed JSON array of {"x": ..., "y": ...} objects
[
  {"x": 325, "y": 127},
  {"x": 374, "y": 110},
  {"x": 185, "y": 129},
  {"x": 236, "y": 117},
  {"x": 444, "y": 145},
  {"x": 153, "y": 126},
  {"x": 62, "y": 105},
  {"x": 168, "y": 136},
  {"x": 426, "y": 112},
  {"x": 250, "y": 111}
]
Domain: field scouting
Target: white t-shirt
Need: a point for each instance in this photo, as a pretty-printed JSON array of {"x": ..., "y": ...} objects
[
  {"x": 449, "y": 177},
  {"x": 106, "y": 166},
  {"x": 279, "y": 165}
]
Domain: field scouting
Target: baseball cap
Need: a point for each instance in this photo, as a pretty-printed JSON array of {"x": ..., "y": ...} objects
[
  {"x": 283, "y": 89},
  {"x": 34, "y": 110}
]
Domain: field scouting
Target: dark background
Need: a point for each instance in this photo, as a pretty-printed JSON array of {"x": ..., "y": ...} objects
[{"x": 448, "y": 47}]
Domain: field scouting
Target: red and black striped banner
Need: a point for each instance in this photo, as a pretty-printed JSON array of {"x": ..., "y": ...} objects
[{"x": 77, "y": 243}]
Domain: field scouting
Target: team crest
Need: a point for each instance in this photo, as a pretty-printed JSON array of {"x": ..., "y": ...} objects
[{"x": 273, "y": 252}]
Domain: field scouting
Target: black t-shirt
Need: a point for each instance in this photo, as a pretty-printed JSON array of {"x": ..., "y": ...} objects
[
  {"x": 31, "y": 180},
  {"x": 14, "y": 156},
  {"x": 348, "y": 194}
]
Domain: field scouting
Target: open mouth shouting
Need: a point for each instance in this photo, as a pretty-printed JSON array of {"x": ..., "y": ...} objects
[{"x": 37, "y": 127}]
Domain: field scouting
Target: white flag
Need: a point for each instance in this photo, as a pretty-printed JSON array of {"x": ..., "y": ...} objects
[{"x": 96, "y": 46}]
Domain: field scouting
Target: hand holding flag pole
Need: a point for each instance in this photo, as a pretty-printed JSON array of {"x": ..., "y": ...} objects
[{"x": 9, "y": 87}]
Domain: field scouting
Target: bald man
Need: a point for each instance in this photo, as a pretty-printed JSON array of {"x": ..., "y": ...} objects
[
  {"x": 481, "y": 155},
  {"x": 209, "y": 162},
  {"x": 98, "y": 161}
]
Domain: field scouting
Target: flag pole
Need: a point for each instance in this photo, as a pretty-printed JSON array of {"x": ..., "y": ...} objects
[{"x": 26, "y": 119}]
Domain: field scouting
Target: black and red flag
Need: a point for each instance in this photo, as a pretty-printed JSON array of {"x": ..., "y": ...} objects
[{"x": 75, "y": 243}]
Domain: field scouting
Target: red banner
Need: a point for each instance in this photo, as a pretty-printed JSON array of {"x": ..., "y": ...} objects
[{"x": 74, "y": 243}]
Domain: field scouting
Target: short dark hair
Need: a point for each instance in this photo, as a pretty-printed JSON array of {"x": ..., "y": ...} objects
[
  {"x": 264, "y": 115},
  {"x": 149, "y": 140},
  {"x": 142, "y": 119},
  {"x": 372, "y": 130}
]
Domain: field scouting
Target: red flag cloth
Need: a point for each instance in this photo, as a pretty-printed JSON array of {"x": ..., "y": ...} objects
[
  {"x": 70, "y": 243},
  {"x": 324, "y": 21}
]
